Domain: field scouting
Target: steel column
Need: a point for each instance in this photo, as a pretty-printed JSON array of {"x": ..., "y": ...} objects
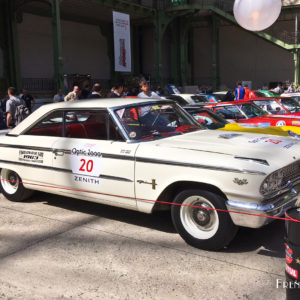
[
  {"x": 215, "y": 52},
  {"x": 107, "y": 31},
  {"x": 13, "y": 45},
  {"x": 137, "y": 63},
  {"x": 158, "y": 36},
  {"x": 183, "y": 45},
  {"x": 175, "y": 52},
  {"x": 296, "y": 67},
  {"x": 57, "y": 45}
]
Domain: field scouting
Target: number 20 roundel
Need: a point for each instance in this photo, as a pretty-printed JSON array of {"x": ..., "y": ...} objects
[{"x": 86, "y": 160}]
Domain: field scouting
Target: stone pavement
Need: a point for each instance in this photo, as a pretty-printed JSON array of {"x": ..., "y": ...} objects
[{"x": 53, "y": 247}]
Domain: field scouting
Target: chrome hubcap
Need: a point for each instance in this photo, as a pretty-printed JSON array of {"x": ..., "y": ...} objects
[
  {"x": 9, "y": 181},
  {"x": 201, "y": 222},
  {"x": 201, "y": 216}
]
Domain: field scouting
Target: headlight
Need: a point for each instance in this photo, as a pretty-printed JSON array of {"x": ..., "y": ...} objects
[{"x": 273, "y": 183}]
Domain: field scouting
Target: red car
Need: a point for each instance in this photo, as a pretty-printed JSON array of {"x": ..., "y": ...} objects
[
  {"x": 278, "y": 105},
  {"x": 245, "y": 111}
]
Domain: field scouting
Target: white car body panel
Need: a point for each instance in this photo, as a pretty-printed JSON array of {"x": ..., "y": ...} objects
[{"x": 135, "y": 174}]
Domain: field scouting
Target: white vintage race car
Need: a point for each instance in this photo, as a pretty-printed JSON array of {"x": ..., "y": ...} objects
[{"x": 152, "y": 155}]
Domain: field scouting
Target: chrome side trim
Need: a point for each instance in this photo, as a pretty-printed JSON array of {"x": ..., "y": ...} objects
[
  {"x": 108, "y": 177},
  {"x": 200, "y": 166},
  {"x": 117, "y": 156},
  {"x": 45, "y": 149},
  {"x": 115, "y": 178}
]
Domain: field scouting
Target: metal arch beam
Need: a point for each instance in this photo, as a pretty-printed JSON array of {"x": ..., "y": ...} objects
[
  {"x": 18, "y": 5},
  {"x": 126, "y": 6},
  {"x": 57, "y": 45},
  {"x": 261, "y": 34},
  {"x": 229, "y": 17}
]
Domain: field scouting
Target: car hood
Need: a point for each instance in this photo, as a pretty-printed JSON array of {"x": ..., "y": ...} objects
[{"x": 282, "y": 150}]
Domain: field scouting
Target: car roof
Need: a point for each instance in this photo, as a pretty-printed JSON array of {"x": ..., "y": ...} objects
[
  {"x": 236, "y": 102},
  {"x": 101, "y": 103},
  {"x": 81, "y": 104}
]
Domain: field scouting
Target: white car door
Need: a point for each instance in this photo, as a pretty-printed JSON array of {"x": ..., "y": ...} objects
[
  {"x": 92, "y": 160},
  {"x": 31, "y": 153}
]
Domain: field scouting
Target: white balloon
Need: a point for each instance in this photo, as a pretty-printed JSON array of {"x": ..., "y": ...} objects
[{"x": 256, "y": 15}]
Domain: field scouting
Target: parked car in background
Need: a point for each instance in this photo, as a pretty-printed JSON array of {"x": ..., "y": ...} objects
[
  {"x": 246, "y": 111},
  {"x": 188, "y": 99},
  {"x": 295, "y": 96},
  {"x": 224, "y": 96},
  {"x": 206, "y": 117},
  {"x": 264, "y": 93},
  {"x": 211, "y": 98},
  {"x": 278, "y": 105},
  {"x": 152, "y": 155},
  {"x": 211, "y": 120}
]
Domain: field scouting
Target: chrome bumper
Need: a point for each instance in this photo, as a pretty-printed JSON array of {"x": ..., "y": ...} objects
[{"x": 275, "y": 208}]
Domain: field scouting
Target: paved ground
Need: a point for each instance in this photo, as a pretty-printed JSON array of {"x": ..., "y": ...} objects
[{"x": 59, "y": 248}]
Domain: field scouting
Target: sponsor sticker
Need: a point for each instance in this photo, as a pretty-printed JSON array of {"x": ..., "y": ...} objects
[
  {"x": 285, "y": 144},
  {"x": 86, "y": 163},
  {"x": 288, "y": 254},
  {"x": 292, "y": 272},
  {"x": 132, "y": 134},
  {"x": 295, "y": 122},
  {"x": 288, "y": 259},
  {"x": 31, "y": 156},
  {"x": 280, "y": 123}
]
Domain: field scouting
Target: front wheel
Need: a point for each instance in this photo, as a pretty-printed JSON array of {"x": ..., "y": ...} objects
[
  {"x": 197, "y": 221},
  {"x": 11, "y": 186}
]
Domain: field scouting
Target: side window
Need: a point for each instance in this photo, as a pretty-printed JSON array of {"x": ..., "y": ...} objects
[
  {"x": 95, "y": 125},
  {"x": 51, "y": 125}
]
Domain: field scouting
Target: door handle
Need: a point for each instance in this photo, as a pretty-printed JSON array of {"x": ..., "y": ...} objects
[{"x": 58, "y": 152}]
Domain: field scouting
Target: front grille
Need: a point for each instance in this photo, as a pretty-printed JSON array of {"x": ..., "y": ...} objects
[{"x": 291, "y": 173}]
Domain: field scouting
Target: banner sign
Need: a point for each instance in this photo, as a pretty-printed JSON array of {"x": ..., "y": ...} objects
[{"x": 122, "y": 42}]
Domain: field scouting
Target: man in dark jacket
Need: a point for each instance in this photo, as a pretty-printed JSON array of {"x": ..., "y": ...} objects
[
  {"x": 96, "y": 94},
  {"x": 117, "y": 92}
]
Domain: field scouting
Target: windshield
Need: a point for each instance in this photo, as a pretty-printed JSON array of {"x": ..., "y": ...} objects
[
  {"x": 208, "y": 119},
  {"x": 155, "y": 121},
  {"x": 242, "y": 111},
  {"x": 251, "y": 110},
  {"x": 272, "y": 106},
  {"x": 199, "y": 99},
  {"x": 229, "y": 112},
  {"x": 292, "y": 105}
]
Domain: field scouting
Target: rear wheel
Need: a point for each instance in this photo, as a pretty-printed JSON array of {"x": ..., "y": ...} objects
[
  {"x": 11, "y": 186},
  {"x": 197, "y": 221}
]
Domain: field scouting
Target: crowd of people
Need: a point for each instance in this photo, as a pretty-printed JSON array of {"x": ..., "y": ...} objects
[
  {"x": 117, "y": 91},
  {"x": 14, "y": 108},
  {"x": 243, "y": 92}
]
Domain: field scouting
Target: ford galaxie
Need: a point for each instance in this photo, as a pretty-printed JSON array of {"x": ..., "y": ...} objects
[{"x": 149, "y": 155}]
